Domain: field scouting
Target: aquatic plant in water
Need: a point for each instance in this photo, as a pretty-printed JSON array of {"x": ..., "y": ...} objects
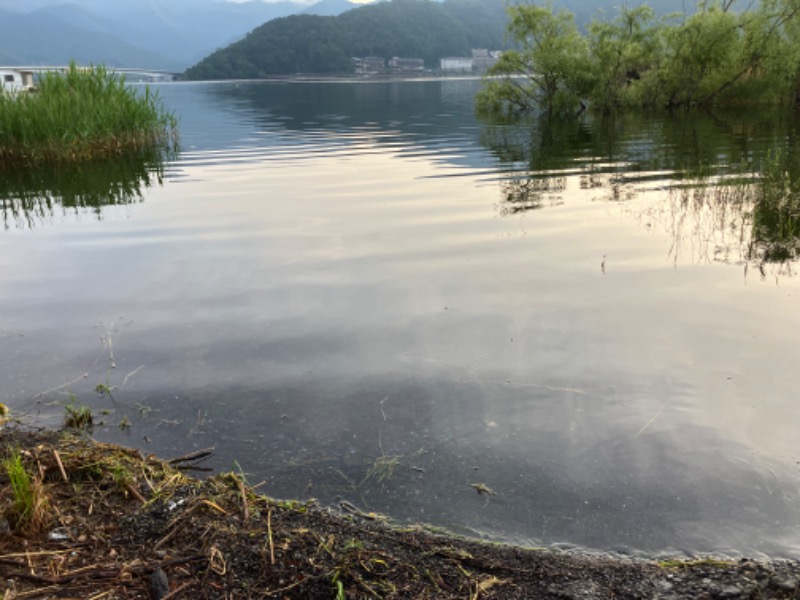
[{"x": 83, "y": 114}]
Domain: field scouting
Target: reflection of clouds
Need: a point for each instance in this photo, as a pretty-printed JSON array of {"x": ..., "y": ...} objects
[
  {"x": 326, "y": 296},
  {"x": 567, "y": 467},
  {"x": 647, "y": 491},
  {"x": 726, "y": 220}
]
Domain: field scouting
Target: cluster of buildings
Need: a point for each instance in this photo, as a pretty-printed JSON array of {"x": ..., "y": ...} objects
[
  {"x": 372, "y": 65},
  {"x": 480, "y": 60}
]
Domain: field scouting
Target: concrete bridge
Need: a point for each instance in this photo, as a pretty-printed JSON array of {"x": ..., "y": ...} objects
[{"x": 151, "y": 74}]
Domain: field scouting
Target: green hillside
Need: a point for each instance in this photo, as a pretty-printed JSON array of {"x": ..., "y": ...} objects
[{"x": 320, "y": 44}]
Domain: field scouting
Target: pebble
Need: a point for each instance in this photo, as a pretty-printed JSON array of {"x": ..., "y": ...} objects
[
  {"x": 788, "y": 584},
  {"x": 159, "y": 584},
  {"x": 58, "y": 535},
  {"x": 665, "y": 586},
  {"x": 731, "y": 591}
]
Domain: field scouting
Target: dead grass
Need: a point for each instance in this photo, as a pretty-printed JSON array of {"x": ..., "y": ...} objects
[{"x": 119, "y": 524}]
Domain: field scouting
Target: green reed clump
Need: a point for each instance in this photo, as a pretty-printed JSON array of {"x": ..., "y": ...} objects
[
  {"x": 776, "y": 213},
  {"x": 29, "y": 502},
  {"x": 77, "y": 416},
  {"x": 80, "y": 115}
]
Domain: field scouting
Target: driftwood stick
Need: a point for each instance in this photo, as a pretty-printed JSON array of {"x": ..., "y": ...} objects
[
  {"x": 245, "y": 509},
  {"x": 135, "y": 493},
  {"x": 192, "y": 456},
  {"x": 269, "y": 535},
  {"x": 60, "y": 466}
]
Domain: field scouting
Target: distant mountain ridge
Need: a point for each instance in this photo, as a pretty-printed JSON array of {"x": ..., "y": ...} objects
[
  {"x": 325, "y": 44},
  {"x": 329, "y": 8},
  {"x": 157, "y": 34},
  {"x": 174, "y": 34},
  {"x": 39, "y": 38}
]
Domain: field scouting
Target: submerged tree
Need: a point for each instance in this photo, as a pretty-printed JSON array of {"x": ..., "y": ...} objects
[
  {"x": 711, "y": 57},
  {"x": 623, "y": 51},
  {"x": 550, "y": 68}
]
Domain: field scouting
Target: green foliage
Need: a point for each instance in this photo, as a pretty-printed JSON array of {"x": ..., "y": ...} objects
[
  {"x": 776, "y": 210},
  {"x": 77, "y": 416},
  {"x": 712, "y": 57},
  {"x": 703, "y": 54},
  {"x": 553, "y": 59},
  {"x": 416, "y": 28},
  {"x": 383, "y": 468},
  {"x": 21, "y": 485},
  {"x": 318, "y": 44},
  {"x": 81, "y": 115},
  {"x": 29, "y": 502},
  {"x": 621, "y": 51}
]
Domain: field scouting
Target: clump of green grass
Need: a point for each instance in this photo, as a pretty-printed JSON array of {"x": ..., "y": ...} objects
[
  {"x": 28, "y": 510},
  {"x": 83, "y": 114},
  {"x": 77, "y": 415},
  {"x": 382, "y": 468}
]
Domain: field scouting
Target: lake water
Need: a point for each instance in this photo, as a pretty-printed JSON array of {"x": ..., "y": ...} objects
[{"x": 359, "y": 291}]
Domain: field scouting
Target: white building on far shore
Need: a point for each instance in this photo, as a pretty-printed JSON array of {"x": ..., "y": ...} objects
[
  {"x": 482, "y": 59},
  {"x": 15, "y": 80},
  {"x": 456, "y": 64}
]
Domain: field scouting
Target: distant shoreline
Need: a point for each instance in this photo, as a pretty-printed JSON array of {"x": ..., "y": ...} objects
[{"x": 343, "y": 78}]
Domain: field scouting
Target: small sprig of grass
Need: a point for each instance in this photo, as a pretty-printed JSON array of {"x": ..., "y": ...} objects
[
  {"x": 28, "y": 510},
  {"x": 383, "y": 468},
  {"x": 77, "y": 416}
]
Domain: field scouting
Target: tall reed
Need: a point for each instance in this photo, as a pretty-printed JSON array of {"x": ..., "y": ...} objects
[
  {"x": 28, "y": 511},
  {"x": 79, "y": 115}
]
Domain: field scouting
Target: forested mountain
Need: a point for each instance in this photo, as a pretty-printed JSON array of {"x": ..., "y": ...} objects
[
  {"x": 172, "y": 34},
  {"x": 165, "y": 34},
  {"x": 320, "y": 44}
]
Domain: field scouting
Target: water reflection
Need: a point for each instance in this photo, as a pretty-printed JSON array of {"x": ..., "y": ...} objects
[
  {"x": 31, "y": 197},
  {"x": 431, "y": 120},
  {"x": 329, "y": 293},
  {"x": 707, "y": 179}
]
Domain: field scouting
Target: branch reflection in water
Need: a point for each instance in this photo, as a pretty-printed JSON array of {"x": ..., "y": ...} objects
[{"x": 701, "y": 179}]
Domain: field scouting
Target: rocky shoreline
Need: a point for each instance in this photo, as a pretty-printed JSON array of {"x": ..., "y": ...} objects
[{"x": 109, "y": 522}]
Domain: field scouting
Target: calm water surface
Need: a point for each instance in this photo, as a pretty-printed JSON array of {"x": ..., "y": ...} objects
[{"x": 358, "y": 291}]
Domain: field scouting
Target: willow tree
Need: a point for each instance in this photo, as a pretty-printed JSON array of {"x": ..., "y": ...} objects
[
  {"x": 623, "y": 52},
  {"x": 714, "y": 56},
  {"x": 772, "y": 50},
  {"x": 548, "y": 70}
]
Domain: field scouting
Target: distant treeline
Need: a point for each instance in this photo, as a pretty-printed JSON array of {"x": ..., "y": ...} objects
[{"x": 317, "y": 44}]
